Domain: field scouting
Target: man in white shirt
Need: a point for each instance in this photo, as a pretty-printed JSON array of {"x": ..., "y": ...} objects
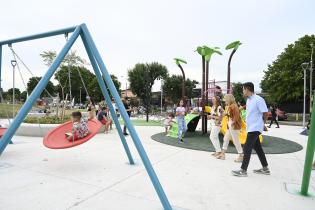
[{"x": 256, "y": 113}]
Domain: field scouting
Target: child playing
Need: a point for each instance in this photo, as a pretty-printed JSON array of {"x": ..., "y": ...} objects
[
  {"x": 102, "y": 117},
  {"x": 180, "y": 113},
  {"x": 91, "y": 110},
  {"x": 79, "y": 129},
  {"x": 168, "y": 122}
]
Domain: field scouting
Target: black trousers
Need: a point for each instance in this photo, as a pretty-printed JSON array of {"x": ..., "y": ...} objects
[
  {"x": 274, "y": 119},
  {"x": 125, "y": 127},
  {"x": 252, "y": 142}
]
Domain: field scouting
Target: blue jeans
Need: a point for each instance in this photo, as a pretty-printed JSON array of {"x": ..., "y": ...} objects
[{"x": 181, "y": 126}]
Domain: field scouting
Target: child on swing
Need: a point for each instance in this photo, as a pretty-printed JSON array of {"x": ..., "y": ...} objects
[{"x": 79, "y": 129}]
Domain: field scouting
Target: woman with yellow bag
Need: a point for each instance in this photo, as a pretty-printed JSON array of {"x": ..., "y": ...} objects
[{"x": 234, "y": 126}]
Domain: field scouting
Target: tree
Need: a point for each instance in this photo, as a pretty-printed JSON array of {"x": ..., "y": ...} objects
[
  {"x": 116, "y": 83},
  {"x": 142, "y": 77},
  {"x": 47, "y": 92},
  {"x": 178, "y": 63},
  {"x": 234, "y": 46},
  {"x": 95, "y": 89},
  {"x": 173, "y": 87},
  {"x": 63, "y": 78},
  {"x": 238, "y": 92},
  {"x": 283, "y": 79},
  {"x": 71, "y": 58},
  {"x": 23, "y": 96},
  {"x": 17, "y": 93}
]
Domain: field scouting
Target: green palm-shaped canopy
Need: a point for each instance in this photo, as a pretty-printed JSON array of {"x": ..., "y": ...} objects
[
  {"x": 210, "y": 51},
  {"x": 207, "y": 51},
  {"x": 233, "y": 45},
  {"x": 179, "y": 61}
]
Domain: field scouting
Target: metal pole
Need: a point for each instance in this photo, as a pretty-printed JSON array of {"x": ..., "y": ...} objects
[
  {"x": 37, "y": 91},
  {"x": 80, "y": 96},
  {"x": 145, "y": 159},
  {"x": 308, "y": 158},
  {"x": 311, "y": 79},
  {"x": 39, "y": 36},
  {"x": 304, "y": 97},
  {"x": 107, "y": 98},
  {"x": 161, "y": 96},
  {"x": 13, "y": 97},
  {"x": 1, "y": 71},
  {"x": 13, "y": 63}
]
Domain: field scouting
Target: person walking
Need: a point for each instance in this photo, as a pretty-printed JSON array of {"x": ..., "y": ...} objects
[
  {"x": 234, "y": 126},
  {"x": 215, "y": 119},
  {"x": 256, "y": 109},
  {"x": 127, "y": 106},
  {"x": 180, "y": 114},
  {"x": 274, "y": 116}
]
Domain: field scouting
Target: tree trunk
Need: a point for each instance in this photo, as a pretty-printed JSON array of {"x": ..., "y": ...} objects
[
  {"x": 183, "y": 82},
  {"x": 207, "y": 88},
  {"x": 203, "y": 95},
  {"x": 229, "y": 73},
  {"x": 147, "y": 113}
]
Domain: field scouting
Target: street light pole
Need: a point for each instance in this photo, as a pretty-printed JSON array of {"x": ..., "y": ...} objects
[
  {"x": 304, "y": 67},
  {"x": 161, "y": 96},
  {"x": 80, "y": 96}
]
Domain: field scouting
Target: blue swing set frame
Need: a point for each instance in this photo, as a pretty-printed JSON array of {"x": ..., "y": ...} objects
[{"x": 104, "y": 81}]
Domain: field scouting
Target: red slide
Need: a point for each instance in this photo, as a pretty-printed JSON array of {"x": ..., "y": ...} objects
[{"x": 56, "y": 138}]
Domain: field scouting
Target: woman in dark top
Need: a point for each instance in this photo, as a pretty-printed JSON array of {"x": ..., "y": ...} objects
[
  {"x": 273, "y": 111},
  {"x": 128, "y": 109}
]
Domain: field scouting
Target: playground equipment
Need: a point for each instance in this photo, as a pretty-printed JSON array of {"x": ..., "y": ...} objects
[
  {"x": 56, "y": 138},
  {"x": 104, "y": 81},
  {"x": 234, "y": 45},
  {"x": 193, "y": 119},
  {"x": 191, "y": 123},
  {"x": 309, "y": 157}
]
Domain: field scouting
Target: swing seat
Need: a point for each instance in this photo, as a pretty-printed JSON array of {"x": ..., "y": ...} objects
[
  {"x": 2, "y": 131},
  {"x": 56, "y": 138}
]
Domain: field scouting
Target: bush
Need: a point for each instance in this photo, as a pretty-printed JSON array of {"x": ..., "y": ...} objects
[{"x": 46, "y": 120}]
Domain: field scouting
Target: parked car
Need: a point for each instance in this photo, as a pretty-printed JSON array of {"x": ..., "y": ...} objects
[{"x": 281, "y": 115}]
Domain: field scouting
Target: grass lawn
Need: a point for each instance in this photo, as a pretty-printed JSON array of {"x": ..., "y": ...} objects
[
  {"x": 7, "y": 110},
  {"x": 142, "y": 122}
]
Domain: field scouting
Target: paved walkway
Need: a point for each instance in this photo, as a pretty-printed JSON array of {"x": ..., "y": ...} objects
[{"x": 96, "y": 176}]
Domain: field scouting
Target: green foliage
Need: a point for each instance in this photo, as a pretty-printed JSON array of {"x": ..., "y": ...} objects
[
  {"x": 142, "y": 77},
  {"x": 9, "y": 94},
  {"x": 283, "y": 79},
  {"x": 238, "y": 92},
  {"x": 95, "y": 90},
  {"x": 71, "y": 58},
  {"x": 6, "y": 110},
  {"x": 74, "y": 62},
  {"x": 46, "y": 120},
  {"x": 62, "y": 77},
  {"x": 172, "y": 87},
  {"x": 33, "y": 81},
  {"x": 23, "y": 96}
]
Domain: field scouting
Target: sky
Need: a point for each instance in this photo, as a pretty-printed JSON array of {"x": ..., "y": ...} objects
[{"x": 129, "y": 32}]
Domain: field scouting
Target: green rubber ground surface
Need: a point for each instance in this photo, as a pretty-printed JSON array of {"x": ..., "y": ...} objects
[{"x": 197, "y": 141}]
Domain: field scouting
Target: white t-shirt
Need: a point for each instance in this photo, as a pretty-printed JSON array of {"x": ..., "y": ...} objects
[{"x": 180, "y": 109}]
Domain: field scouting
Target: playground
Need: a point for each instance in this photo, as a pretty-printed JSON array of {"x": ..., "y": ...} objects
[
  {"x": 97, "y": 175},
  {"x": 70, "y": 163}
]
